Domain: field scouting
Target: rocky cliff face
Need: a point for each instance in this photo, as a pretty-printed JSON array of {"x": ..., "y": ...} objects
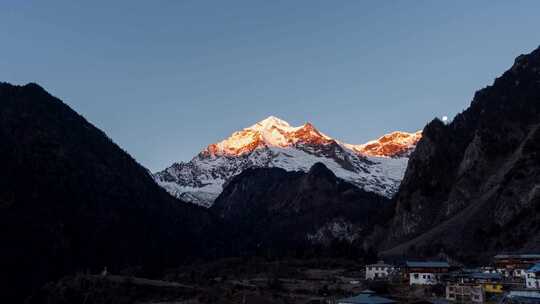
[
  {"x": 473, "y": 185},
  {"x": 272, "y": 209}
]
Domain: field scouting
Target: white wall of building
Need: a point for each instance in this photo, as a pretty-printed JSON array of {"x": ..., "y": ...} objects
[
  {"x": 532, "y": 281},
  {"x": 374, "y": 272},
  {"x": 519, "y": 273},
  {"x": 423, "y": 278}
]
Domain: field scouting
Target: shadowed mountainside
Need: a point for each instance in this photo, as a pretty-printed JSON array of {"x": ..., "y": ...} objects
[
  {"x": 473, "y": 186},
  {"x": 270, "y": 209},
  {"x": 72, "y": 200}
]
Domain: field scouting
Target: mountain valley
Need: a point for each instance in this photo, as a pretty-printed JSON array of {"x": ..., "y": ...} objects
[{"x": 72, "y": 202}]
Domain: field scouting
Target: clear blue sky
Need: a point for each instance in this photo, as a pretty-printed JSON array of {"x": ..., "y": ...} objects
[{"x": 166, "y": 78}]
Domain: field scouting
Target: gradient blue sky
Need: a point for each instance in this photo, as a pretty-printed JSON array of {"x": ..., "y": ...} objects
[{"x": 166, "y": 78}]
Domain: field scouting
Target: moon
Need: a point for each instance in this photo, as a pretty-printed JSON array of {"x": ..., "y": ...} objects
[{"x": 445, "y": 118}]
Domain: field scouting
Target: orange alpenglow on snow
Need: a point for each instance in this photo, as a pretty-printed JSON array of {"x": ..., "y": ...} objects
[
  {"x": 389, "y": 145},
  {"x": 274, "y": 132}
]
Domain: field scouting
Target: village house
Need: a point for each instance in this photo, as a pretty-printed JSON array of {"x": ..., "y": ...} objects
[
  {"x": 426, "y": 273},
  {"x": 465, "y": 293},
  {"x": 515, "y": 265},
  {"x": 472, "y": 286},
  {"x": 490, "y": 282},
  {"x": 379, "y": 271},
  {"x": 532, "y": 279}
]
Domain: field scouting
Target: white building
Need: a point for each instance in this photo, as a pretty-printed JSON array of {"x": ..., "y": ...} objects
[
  {"x": 379, "y": 271},
  {"x": 465, "y": 293},
  {"x": 426, "y": 273},
  {"x": 532, "y": 277},
  {"x": 519, "y": 273}
]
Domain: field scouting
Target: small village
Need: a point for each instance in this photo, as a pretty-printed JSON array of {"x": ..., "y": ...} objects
[
  {"x": 510, "y": 278},
  {"x": 506, "y": 279}
]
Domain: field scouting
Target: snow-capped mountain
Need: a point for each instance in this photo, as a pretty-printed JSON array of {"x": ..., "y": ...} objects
[{"x": 377, "y": 166}]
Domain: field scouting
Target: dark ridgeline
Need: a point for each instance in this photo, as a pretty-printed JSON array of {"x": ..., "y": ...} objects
[
  {"x": 72, "y": 200},
  {"x": 472, "y": 187},
  {"x": 274, "y": 212}
]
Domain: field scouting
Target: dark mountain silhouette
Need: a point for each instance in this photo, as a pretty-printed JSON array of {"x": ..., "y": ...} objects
[
  {"x": 72, "y": 200},
  {"x": 472, "y": 187},
  {"x": 273, "y": 210}
]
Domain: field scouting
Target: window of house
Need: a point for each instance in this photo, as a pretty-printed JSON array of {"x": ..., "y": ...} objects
[{"x": 416, "y": 275}]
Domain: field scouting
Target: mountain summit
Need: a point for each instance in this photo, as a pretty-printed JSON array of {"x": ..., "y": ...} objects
[
  {"x": 269, "y": 132},
  {"x": 377, "y": 166}
]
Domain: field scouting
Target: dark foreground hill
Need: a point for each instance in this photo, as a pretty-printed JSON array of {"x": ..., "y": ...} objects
[
  {"x": 472, "y": 186},
  {"x": 71, "y": 200},
  {"x": 270, "y": 210}
]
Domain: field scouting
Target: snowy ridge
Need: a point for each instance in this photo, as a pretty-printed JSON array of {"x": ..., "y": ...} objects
[
  {"x": 394, "y": 144},
  {"x": 272, "y": 142}
]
